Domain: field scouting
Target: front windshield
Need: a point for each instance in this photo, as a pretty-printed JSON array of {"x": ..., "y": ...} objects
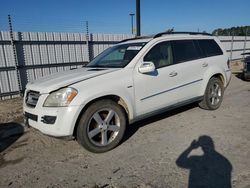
[{"x": 117, "y": 56}]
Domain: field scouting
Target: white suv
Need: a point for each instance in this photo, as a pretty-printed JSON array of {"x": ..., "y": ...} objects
[{"x": 132, "y": 80}]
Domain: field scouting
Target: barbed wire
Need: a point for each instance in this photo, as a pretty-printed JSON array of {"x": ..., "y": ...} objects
[
  {"x": 64, "y": 25},
  {"x": 58, "y": 24}
]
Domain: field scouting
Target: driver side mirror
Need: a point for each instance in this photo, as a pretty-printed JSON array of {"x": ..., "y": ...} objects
[{"x": 147, "y": 67}]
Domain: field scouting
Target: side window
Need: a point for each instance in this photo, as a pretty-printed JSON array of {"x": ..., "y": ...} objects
[
  {"x": 200, "y": 52},
  {"x": 185, "y": 50},
  {"x": 210, "y": 47},
  {"x": 161, "y": 55}
]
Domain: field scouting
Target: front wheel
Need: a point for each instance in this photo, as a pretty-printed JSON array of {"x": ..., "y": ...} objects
[
  {"x": 213, "y": 95},
  {"x": 102, "y": 126}
]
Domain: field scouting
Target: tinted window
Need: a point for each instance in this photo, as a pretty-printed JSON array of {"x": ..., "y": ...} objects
[
  {"x": 161, "y": 55},
  {"x": 185, "y": 50},
  {"x": 210, "y": 47},
  {"x": 200, "y": 52}
]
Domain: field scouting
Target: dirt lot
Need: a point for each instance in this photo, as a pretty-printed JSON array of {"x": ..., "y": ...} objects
[{"x": 146, "y": 158}]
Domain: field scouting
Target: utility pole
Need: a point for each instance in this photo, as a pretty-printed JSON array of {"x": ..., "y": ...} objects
[
  {"x": 138, "y": 18},
  {"x": 132, "y": 23}
]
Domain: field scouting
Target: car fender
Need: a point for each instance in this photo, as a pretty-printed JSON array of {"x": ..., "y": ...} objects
[
  {"x": 124, "y": 97},
  {"x": 96, "y": 96},
  {"x": 210, "y": 72}
]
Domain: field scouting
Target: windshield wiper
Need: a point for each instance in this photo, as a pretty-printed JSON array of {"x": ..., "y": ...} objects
[
  {"x": 95, "y": 66},
  {"x": 103, "y": 66}
]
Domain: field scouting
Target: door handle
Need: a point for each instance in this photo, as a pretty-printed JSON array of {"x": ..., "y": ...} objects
[
  {"x": 172, "y": 74},
  {"x": 204, "y": 64}
]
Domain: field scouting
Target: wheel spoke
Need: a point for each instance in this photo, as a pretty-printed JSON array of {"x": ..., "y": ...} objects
[
  {"x": 216, "y": 88},
  {"x": 104, "y": 138},
  {"x": 219, "y": 94},
  {"x": 109, "y": 116},
  {"x": 213, "y": 100},
  {"x": 94, "y": 132},
  {"x": 98, "y": 118},
  {"x": 217, "y": 99},
  {"x": 113, "y": 128},
  {"x": 211, "y": 92}
]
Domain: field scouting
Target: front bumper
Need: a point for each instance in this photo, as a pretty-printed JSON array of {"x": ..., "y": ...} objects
[{"x": 53, "y": 121}]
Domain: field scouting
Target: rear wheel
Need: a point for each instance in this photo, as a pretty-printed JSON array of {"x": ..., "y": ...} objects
[
  {"x": 213, "y": 95},
  {"x": 102, "y": 126}
]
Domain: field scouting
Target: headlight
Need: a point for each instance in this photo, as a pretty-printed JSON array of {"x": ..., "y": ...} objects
[{"x": 61, "y": 97}]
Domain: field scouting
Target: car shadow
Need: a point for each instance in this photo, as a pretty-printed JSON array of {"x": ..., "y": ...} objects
[
  {"x": 131, "y": 129},
  {"x": 211, "y": 169},
  {"x": 9, "y": 133}
]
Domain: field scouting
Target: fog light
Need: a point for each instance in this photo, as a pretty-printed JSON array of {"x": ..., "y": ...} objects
[{"x": 48, "y": 119}]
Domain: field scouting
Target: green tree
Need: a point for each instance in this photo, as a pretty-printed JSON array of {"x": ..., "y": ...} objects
[{"x": 236, "y": 31}]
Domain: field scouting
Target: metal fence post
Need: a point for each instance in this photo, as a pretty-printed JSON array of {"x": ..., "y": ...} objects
[
  {"x": 15, "y": 56},
  {"x": 87, "y": 39},
  {"x": 20, "y": 53},
  {"x": 245, "y": 43},
  {"x": 231, "y": 49},
  {"x": 89, "y": 42}
]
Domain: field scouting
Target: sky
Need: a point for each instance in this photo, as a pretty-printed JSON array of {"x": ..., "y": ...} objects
[{"x": 112, "y": 16}]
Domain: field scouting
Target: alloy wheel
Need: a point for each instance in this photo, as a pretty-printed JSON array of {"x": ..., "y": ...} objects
[
  {"x": 103, "y": 127},
  {"x": 215, "y": 94}
]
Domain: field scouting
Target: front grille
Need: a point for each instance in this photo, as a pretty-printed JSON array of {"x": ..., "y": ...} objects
[{"x": 32, "y": 98}]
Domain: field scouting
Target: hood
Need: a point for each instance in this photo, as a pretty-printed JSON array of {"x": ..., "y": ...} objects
[{"x": 66, "y": 78}]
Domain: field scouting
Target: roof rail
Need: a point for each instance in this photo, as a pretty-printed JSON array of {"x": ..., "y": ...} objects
[
  {"x": 172, "y": 32},
  {"x": 135, "y": 38},
  {"x": 165, "y": 33}
]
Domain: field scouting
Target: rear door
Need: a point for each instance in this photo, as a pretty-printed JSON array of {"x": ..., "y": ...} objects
[{"x": 191, "y": 63}]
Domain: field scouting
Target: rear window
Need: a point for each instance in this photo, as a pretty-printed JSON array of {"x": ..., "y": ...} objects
[
  {"x": 184, "y": 50},
  {"x": 210, "y": 47}
]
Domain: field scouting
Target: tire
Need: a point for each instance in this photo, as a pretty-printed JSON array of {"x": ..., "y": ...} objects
[
  {"x": 213, "y": 95},
  {"x": 102, "y": 126},
  {"x": 245, "y": 77}
]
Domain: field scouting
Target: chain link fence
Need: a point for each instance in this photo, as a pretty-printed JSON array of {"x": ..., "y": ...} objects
[{"x": 26, "y": 56}]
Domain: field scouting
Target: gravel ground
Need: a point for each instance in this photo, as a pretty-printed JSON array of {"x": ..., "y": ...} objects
[{"x": 149, "y": 156}]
